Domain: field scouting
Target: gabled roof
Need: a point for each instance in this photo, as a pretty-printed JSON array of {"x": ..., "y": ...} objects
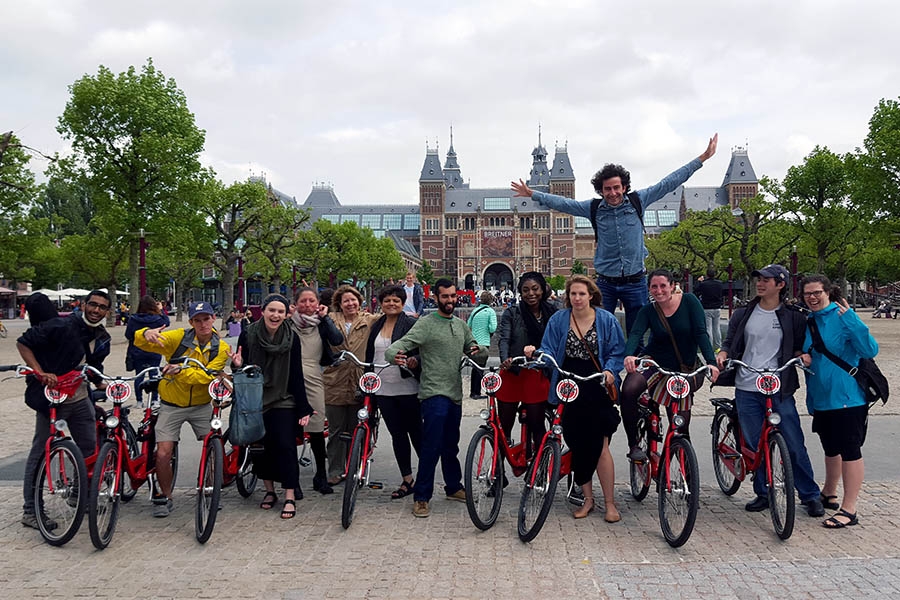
[{"x": 403, "y": 245}]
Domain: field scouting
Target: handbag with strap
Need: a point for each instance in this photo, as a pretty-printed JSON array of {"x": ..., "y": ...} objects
[
  {"x": 611, "y": 390},
  {"x": 867, "y": 374},
  {"x": 245, "y": 422},
  {"x": 683, "y": 367}
]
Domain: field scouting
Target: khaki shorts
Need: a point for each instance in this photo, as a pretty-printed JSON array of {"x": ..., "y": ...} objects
[{"x": 171, "y": 418}]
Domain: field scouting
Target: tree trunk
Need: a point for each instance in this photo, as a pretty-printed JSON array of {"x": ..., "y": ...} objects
[{"x": 113, "y": 304}]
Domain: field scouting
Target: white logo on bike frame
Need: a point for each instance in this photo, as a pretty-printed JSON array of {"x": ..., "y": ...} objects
[
  {"x": 491, "y": 382},
  {"x": 219, "y": 389},
  {"x": 678, "y": 387},
  {"x": 768, "y": 384},
  {"x": 118, "y": 391},
  {"x": 567, "y": 390},
  {"x": 370, "y": 383},
  {"x": 54, "y": 396}
]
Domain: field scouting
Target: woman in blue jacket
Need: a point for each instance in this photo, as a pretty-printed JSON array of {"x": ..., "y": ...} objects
[
  {"x": 833, "y": 397},
  {"x": 581, "y": 338}
]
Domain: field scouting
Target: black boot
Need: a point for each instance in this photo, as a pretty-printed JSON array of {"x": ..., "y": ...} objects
[{"x": 320, "y": 484}]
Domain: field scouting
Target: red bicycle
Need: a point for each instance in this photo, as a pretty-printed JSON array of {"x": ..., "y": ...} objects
[
  {"x": 674, "y": 465},
  {"x": 364, "y": 438},
  {"x": 733, "y": 458},
  {"x": 219, "y": 468},
  {"x": 552, "y": 460},
  {"x": 489, "y": 447}
]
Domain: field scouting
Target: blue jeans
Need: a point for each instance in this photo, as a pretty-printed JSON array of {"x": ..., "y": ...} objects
[
  {"x": 440, "y": 440},
  {"x": 751, "y": 408},
  {"x": 632, "y": 295}
]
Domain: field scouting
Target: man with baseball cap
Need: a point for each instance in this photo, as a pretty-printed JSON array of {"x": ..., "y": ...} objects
[
  {"x": 766, "y": 334},
  {"x": 183, "y": 393}
]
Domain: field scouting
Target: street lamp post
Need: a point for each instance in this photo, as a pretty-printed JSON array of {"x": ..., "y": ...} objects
[
  {"x": 293, "y": 279},
  {"x": 730, "y": 288},
  {"x": 794, "y": 274},
  {"x": 142, "y": 269},
  {"x": 239, "y": 303}
]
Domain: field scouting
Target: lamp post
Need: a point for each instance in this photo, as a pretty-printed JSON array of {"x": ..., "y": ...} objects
[
  {"x": 794, "y": 274},
  {"x": 293, "y": 279},
  {"x": 239, "y": 244},
  {"x": 730, "y": 288},
  {"x": 142, "y": 268}
]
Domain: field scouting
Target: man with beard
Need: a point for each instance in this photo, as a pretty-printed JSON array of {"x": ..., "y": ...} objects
[
  {"x": 442, "y": 340},
  {"x": 51, "y": 349}
]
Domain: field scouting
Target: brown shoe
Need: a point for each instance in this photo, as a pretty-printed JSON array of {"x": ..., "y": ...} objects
[
  {"x": 458, "y": 495},
  {"x": 421, "y": 509},
  {"x": 584, "y": 511}
]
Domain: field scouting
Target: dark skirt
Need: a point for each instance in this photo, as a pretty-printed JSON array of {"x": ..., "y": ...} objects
[{"x": 587, "y": 421}]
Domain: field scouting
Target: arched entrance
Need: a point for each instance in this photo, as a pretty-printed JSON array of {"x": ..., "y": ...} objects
[{"x": 497, "y": 277}]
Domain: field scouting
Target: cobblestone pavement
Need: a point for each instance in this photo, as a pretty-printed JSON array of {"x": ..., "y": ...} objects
[{"x": 387, "y": 553}]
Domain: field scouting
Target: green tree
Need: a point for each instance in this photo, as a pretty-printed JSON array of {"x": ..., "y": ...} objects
[
  {"x": 137, "y": 142},
  {"x": 557, "y": 282},
  {"x": 578, "y": 268},
  {"x": 276, "y": 235},
  {"x": 425, "y": 274}
]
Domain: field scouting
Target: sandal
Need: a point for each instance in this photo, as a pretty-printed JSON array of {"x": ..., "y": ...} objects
[
  {"x": 289, "y": 514},
  {"x": 268, "y": 501},
  {"x": 405, "y": 489},
  {"x": 829, "y": 502},
  {"x": 584, "y": 511},
  {"x": 833, "y": 523}
]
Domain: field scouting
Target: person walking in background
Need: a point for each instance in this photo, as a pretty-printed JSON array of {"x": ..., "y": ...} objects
[
  {"x": 398, "y": 397},
  {"x": 618, "y": 227},
  {"x": 442, "y": 340},
  {"x": 710, "y": 292},
  {"x": 415, "y": 296},
  {"x": 835, "y": 400},
  {"x": 523, "y": 325},
  {"x": 766, "y": 334},
  {"x": 317, "y": 333},
  {"x": 148, "y": 315},
  {"x": 342, "y": 381},
  {"x": 483, "y": 323}
]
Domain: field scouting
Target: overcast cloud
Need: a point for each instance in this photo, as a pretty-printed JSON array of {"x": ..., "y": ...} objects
[{"x": 348, "y": 92}]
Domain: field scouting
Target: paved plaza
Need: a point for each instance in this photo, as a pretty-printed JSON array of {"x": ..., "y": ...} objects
[{"x": 387, "y": 553}]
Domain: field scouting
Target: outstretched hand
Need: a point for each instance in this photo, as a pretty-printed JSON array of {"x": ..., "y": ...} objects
[
  {"x": 152, "y": 336},
  {"x": 521, "y": 189},
  {"x": 710, "y": 149}
]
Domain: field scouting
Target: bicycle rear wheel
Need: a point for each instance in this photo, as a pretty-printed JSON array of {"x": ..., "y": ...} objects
[
  {"x": 640, "y": 471},
  {"x": 781, "y": 488},
  {"x": 540, "y": 487},
  {"x": 134, "y": 450},
  {"x": 209, "y": 491},
  {"x": 355, "y": 477},
  {"x": 60, "y": 492},
  {"x": 103, "y": 509},
  {"x": 679, "y": 492},
  {"x": 484, "y": 479},
  {"x": 725, "y": 452},
  {"x": 246, "y": 479}
]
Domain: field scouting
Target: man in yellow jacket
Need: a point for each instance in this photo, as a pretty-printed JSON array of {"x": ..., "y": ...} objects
[{"x": 183, "y": 393}]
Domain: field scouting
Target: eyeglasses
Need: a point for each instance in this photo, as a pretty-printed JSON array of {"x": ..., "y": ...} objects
[
  {"x": 100, "y": 306},
  {"x": 814, "y": 294}
]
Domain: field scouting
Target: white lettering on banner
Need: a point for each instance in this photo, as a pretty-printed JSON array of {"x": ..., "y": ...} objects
[{"x": 498, "y": 234}]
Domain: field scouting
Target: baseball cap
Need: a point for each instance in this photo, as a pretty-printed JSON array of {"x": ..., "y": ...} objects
[
  {"x": 200, "y": 308},
  {"x": 776, "y": 272}
]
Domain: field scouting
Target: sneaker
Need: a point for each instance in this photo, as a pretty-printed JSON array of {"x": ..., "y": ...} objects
[
  {"x": 162, "y": 510},
  {"x": 759, "y": 504},
  {"x": 637, "y": 454},
  {"x": 421, "y": 509},
  {"x": 458, "y": 495},
  {"x": 30, "y": 520},
  {"x": 814, "y": 507}
]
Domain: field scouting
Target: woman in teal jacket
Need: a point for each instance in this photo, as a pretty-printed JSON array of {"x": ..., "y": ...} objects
[{"x": 833, "y": 397}]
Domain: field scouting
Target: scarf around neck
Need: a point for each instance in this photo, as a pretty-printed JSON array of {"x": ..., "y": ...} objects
[
  {"x": 274, "y": 356},
  {"x": 304, "y": 321}
]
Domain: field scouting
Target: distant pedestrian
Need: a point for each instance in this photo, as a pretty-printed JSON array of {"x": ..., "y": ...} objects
[
  {"x": 415, "y": 296},
  {"x": 483, "y": 323},
  {"x": 710, "y": 292}
]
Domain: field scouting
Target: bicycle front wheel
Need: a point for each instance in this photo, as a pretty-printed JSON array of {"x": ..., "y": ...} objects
[
  {"x": 540, "y": 487},
  {"x": 127, "y": 491},
  {"x": 781, "y": 487},
  {"x": 726, "y": 453},
  {"x": 355, "y": 477},
  {"x": 640, "y": 470},
  {"x": 103, "y": 510},
  {"x": 209, "y": 490},
  {"x": 679, "y": 492},
  {"x": 484, "y": 479},
  {"x": 60, "y": 492}
]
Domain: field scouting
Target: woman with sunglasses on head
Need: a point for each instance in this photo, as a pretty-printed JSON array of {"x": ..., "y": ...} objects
[
  {"x": 835, "y": 400},
  {"x": 677, "y": 326}
]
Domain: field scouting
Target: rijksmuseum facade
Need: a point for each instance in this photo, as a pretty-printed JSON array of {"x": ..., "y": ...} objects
[{"x": 486, "y": 238}]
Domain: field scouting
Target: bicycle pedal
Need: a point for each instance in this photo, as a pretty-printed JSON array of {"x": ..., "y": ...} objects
[
  {"x": 376, "y": 485},
  {"x": 305, "y": 461},
  {"x": 575, "y": 500}
]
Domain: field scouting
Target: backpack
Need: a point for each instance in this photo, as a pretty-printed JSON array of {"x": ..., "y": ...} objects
[
  {"x": 187, "y": 342},
  {"x": 635, "y": 202}
]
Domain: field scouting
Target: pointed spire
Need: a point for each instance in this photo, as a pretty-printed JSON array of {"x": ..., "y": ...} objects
[{"x": 452, "y": 174}]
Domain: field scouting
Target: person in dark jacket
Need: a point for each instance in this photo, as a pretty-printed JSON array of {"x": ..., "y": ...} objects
[
  {"x": 398, "y": 397},
  {"x": 272, "y": 345},
  {"x": 40, "y": 308},
  {"x": 767, "y": 334},
  {"x": 710, "y": 292},
  {"x": 148, "y": 315}
]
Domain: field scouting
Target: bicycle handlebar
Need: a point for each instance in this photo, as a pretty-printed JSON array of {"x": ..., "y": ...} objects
[
  {"x": 346, "y": 355},
  {"x": 645, "y": 363},
  {"x": 796, "y": 361},
  {"x": 541, "y": 357}
]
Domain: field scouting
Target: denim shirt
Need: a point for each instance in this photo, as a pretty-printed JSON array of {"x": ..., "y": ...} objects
[{"x": 620, "y": 249}]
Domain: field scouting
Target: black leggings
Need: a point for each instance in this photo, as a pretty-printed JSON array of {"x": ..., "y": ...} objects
[
  {"x": 403, "y": 418},
  {"x": 534, "y": 421},
  {"x": 632, "y": 388},
  {"x": 279, "y": 459}
]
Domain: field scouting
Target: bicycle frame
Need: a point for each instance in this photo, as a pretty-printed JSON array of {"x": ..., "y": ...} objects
[{"x": 369, "y": 424}]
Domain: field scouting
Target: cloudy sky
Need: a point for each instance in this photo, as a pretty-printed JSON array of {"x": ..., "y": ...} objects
[{"x": 349, "y": 92}]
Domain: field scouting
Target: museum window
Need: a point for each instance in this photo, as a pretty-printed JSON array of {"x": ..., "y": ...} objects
[
  {"x": 496, "y": 204},
  {"x": 371, "y": 221},
  {"x": 525, "y": 223},
  {"x": 666, "y": 218},
  {"x": 451, "y": 223},
  {"x": 392, "y": 221}
]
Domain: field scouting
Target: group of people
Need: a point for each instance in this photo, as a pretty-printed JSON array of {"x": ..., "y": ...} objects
[{"x": 296, "y": 341}]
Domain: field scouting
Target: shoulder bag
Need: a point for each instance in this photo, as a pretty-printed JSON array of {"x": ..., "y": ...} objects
[{"x": 867, "y": 374}]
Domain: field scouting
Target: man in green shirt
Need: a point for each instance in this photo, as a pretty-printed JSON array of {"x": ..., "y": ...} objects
[{"x": 442, "y": 340}]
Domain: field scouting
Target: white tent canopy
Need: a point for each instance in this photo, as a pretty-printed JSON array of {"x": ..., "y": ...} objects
[{"x": 53, "y": 294}]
